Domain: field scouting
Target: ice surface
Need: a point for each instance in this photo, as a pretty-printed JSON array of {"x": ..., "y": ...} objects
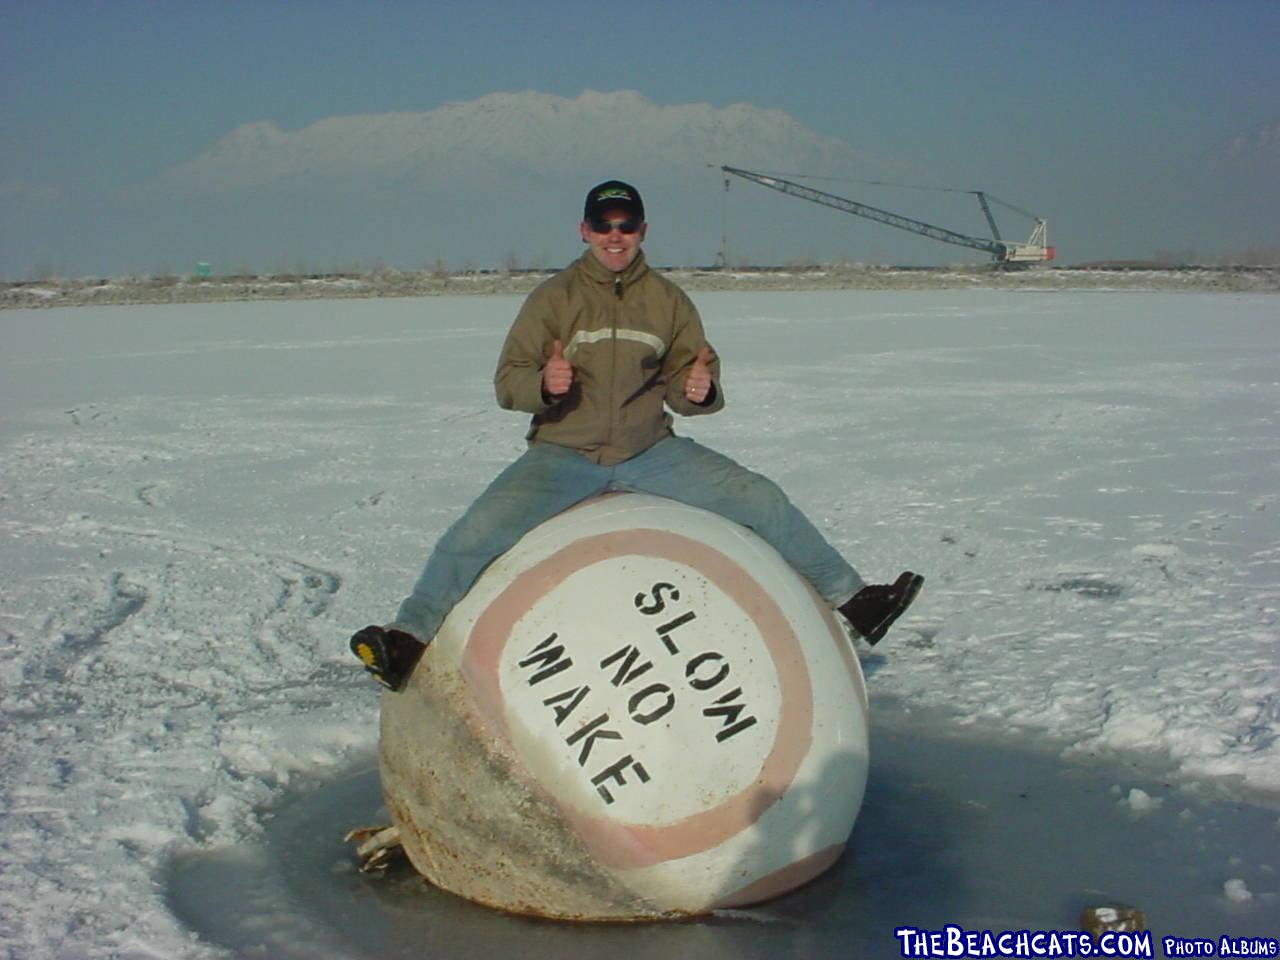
[
  {"x": 988, "y": 835},
  {"x": 199, "y": 503}
]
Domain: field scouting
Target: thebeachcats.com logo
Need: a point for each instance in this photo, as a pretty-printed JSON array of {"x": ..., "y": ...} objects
[{"x": 956, "y": 942}]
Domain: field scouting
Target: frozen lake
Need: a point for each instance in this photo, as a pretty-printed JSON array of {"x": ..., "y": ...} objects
[
  {"x": 201, "y": 502},
  {"x": 986, "y": 835}
]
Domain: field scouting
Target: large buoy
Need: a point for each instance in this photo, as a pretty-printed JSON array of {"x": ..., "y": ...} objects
[{"x": 638, "y": 711}]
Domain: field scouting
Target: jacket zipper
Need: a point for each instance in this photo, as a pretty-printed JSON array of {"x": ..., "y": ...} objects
[{"x": 613, "y": 359}]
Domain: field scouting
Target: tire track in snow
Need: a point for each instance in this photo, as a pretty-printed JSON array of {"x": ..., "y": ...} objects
[
  {"x": 253, "y": 611},
  {"x": 49, "y": 686}
]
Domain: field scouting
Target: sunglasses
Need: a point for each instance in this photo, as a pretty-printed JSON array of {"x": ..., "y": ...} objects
[{"x": 600, "y": 225}]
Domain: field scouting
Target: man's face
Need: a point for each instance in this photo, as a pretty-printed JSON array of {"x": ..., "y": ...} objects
[{"x": 614, "y": 249}]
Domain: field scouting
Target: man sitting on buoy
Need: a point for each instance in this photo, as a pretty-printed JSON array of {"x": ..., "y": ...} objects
[{"x": 597, "y": 354}]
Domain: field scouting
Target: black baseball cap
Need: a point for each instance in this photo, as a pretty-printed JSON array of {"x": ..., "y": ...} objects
[{"x": 613, "y": 195}]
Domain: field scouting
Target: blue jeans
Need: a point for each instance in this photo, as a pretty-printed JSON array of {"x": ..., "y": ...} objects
[{"x": 548, "y": 479}]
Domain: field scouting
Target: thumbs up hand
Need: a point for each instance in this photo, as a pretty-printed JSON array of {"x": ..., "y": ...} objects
[
  {"x": 698, "y": 382},
  {"x": 557, "y": 375}
]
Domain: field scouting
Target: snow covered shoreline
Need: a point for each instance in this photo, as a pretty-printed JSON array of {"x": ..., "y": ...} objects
[
  {"x": 200, "y": 502},
  {"x": 395, "y": 283}
]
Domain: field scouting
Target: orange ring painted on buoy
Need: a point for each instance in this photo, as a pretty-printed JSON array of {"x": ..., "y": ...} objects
[{"x": 631, "y": 845}]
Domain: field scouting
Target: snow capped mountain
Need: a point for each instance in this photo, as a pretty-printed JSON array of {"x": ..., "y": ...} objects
[
  {"x": 1258, "y": 145},
  {"x": 528, "y": 133}
]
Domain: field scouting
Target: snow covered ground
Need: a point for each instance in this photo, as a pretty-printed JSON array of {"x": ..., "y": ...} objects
[{"x": 200, "y": 502}]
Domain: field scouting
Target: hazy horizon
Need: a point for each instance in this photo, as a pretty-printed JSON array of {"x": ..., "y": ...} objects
[{"x": 142, "y": 138}]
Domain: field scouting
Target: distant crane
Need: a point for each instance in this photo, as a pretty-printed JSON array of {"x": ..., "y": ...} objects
[{"x": 1035, "y": 250}]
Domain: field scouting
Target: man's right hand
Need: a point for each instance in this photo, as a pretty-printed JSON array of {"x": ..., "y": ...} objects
[{"x": 557, "y": 375}]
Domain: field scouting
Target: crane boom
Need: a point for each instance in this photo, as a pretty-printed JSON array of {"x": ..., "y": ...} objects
[
  {"x": 1031, "y": 251},
  {"x": 986, "y": 212}
]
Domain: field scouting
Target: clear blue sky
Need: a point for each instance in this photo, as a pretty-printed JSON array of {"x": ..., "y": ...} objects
[{"x": 1050, "y": 104}]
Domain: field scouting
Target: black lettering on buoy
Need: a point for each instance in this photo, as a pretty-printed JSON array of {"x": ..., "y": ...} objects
[
  {"x": 666, "y": 629},
  {"x": 591, "y": 732},
  {"x": 705, "y": 683},
  {"x": 658, "y": 604},
  {"x": 661, "y": 710},
  {"x": 614, "y": 772},
  {"x": 549, "y": 657},
  {"x": 574, "y": 695},
  {"x": 730, "y": 711},
  {"x": 627, "y": 671}
]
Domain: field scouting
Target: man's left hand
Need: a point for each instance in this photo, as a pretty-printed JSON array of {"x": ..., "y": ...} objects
[{"x": 698, "y": 383}]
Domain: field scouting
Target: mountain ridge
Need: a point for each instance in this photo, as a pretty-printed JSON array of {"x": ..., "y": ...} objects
[{"x": 505, "y": 132}]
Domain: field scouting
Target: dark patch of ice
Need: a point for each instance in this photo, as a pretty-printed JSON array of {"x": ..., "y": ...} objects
[
  {"x": 988, "y": 836},
  {"x": 1087, "y": 585}
]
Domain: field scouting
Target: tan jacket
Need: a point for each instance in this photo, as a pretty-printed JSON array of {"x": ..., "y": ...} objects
[{"x": 631, "y": 338}]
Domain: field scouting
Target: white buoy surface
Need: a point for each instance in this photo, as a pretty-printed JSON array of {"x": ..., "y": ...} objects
[{"x": 640, "y": 710}]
